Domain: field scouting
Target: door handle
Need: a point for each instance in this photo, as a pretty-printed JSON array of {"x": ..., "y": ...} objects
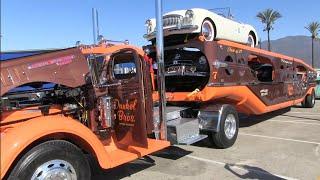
[
  {"x": 109, "y": 85},
  {"x": 133, "y": 93}
]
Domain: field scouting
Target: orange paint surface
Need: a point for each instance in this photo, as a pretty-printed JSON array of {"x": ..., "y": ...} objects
[
  {"x": 248, "y": 102},
  {"x": 26, "y": 113},
  {"x": 15, "y": 138},
  {"x": 106, "y": 49}
]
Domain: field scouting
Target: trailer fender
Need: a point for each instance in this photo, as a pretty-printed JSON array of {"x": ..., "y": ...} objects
[
  {"x": 210, "y": 117},
  {"x": 15, "y": 139}
]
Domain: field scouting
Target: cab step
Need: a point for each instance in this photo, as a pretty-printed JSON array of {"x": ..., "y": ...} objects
[
  {"x": 180, "y": 130},
  {"x": 184, "y": 131}
]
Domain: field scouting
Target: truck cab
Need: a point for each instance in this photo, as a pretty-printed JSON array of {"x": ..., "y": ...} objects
[{"x": 59, "y": 107}]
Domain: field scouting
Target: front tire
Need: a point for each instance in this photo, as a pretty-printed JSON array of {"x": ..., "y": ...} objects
[
  {"x": 207, "y": 30},
  {"x": 228, "y": 129},
  {"x": 52, "y": 160},
  {"x": 309, "y": 101}
]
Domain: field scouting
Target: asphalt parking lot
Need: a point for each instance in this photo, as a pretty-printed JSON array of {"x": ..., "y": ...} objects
[{"x": 280, "y": 145}]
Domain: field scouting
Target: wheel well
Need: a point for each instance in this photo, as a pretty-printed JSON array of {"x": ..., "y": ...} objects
[
  {"x": 254, "y": 37},
  {"x": 77, "y": 141},
  {"x": 214, "y": 25}
]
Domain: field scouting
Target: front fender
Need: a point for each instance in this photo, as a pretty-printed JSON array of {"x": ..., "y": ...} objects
[{"x": 15, "y": 138}]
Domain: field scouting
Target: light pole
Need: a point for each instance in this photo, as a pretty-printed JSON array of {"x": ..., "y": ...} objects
[
  {"x": 94, "y": 26},
  {"x": 161, "y": 76}
]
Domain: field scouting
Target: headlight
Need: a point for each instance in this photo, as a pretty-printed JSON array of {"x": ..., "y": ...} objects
[
  {"x": 189, "y": 14},
  {"x": 202, "y": 60},
  {"x": 148, "y": 24},
  {"x": 188, "y": 18}
]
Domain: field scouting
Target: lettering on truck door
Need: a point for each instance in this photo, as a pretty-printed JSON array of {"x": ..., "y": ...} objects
[{"x": 125, "y": 68}]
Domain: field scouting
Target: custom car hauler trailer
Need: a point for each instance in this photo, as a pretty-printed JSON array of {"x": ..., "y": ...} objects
[
  {"x": 213, "y": 81},
  {"x": 58, "y": 106}
]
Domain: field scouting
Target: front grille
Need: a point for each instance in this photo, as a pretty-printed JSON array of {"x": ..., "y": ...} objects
[
  {"x": 181, "y": 69},
  {"x": 172, "y": 20}
]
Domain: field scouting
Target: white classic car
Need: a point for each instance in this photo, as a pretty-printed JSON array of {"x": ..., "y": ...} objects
[{"x": 205, "y": 23}]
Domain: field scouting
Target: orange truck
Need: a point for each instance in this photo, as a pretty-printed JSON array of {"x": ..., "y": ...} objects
[
  {"x": 58, "y": 107},
  {"x": 61, "y": 106}
]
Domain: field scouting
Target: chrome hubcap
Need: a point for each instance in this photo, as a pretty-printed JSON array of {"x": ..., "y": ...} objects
[
  {"x": 207, "y": 30},
  {"x": 55, "y": 170},
  {"x": 250, "y": 41},
  {"x": 230, "y": 126}
]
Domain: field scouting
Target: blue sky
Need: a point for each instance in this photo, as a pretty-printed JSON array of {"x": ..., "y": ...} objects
[{"x": 39, "y": 24}]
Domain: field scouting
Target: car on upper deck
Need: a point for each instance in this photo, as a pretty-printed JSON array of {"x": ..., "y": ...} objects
[{"x": 210, "y": 25}]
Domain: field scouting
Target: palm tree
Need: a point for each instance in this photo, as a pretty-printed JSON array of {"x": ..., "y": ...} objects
[
  {"x": 313, "y": 28},
  {"x": 268, "y": 17}
]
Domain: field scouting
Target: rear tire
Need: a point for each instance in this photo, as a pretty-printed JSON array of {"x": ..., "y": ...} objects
[
  {"x": 309, "y": 101},
  {"x": 56, "y": 159},
  {"x": 229, "y": 127},
  {"x": 251, "y": 41}
]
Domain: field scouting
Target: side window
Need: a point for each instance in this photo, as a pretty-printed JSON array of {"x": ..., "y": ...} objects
[
  {"x": 124, "y": 66},
  {"x": 228, "y": 59},
  {"x": 241, "y": 61},
  {"x": 262, "y": 68}
]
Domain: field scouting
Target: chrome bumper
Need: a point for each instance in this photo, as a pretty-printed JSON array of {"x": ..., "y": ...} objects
[{"x": 168, "y": 31}]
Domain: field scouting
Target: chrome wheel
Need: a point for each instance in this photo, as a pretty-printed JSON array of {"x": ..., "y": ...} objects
[
  {"x": 55, "y": 170},
  {"x": 207, "y": 30},
  {"x": 250, "y": 41},
  {"x": 230, "y": 126}
]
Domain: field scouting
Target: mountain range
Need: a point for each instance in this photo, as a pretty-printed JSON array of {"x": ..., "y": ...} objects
[{"x": 296, "y": 46}]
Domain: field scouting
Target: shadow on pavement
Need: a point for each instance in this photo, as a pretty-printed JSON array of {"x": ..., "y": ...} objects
[
  {"x": 247, "y": 121},
  {"x": 299, "y": 117},
  {"x": 252, "y": 172},
  {"x": 136, "y": 166},
  {"x": 123, "y": 171},
  {"x": 172, "y": 152}
]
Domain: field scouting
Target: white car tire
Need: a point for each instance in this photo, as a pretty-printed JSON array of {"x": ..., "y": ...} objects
[
  {"x": 251, "y": 41},
  {"x": 207, "y": 30}
]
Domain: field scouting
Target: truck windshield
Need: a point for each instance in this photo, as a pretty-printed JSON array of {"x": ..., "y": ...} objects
[{"x": 124, "y": 70}]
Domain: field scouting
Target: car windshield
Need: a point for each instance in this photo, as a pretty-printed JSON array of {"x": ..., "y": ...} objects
[{"x": 224, "y": 12}]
